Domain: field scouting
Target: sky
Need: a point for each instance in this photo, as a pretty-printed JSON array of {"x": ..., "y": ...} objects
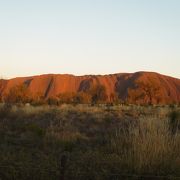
[{"x": 89, "y": 37}]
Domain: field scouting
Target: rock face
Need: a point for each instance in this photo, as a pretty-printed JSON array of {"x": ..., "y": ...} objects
[{"x": 138, "y": 88}]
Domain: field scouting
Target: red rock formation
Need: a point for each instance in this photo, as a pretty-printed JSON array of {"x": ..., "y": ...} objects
[{"x": 140, "y": 87}]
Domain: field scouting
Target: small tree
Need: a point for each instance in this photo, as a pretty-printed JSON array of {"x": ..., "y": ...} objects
[
  {"x": 83, "y": 98},
  {"x": 98, "y": 94},
  {"x": 144, "y": 92},
  {"x": 115, "y": 99}
]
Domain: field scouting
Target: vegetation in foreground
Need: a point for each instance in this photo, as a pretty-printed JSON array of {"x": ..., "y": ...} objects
[{"x": 89, "y": 142}]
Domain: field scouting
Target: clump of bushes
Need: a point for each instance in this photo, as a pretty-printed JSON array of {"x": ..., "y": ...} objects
[{"x": 18, "y": 94}]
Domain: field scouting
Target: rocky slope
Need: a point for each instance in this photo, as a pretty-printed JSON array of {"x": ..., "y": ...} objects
[{"x": 139, "y": 87}]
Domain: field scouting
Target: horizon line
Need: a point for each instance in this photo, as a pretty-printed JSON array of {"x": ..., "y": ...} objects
[{"x": 71, "y": 74}]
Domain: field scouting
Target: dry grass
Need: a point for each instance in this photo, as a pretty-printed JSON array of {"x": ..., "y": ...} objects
[{"x": 99, "y": 142}]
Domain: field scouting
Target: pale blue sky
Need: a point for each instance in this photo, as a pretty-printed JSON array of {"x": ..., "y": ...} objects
[{"x": 89, "y": 36}]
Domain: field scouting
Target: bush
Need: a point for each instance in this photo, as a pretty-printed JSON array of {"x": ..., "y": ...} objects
[
  {"x": 5, "y": 110},
  {"x": 174, "y": 122},
  {"x": 18, "y": 94}
]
